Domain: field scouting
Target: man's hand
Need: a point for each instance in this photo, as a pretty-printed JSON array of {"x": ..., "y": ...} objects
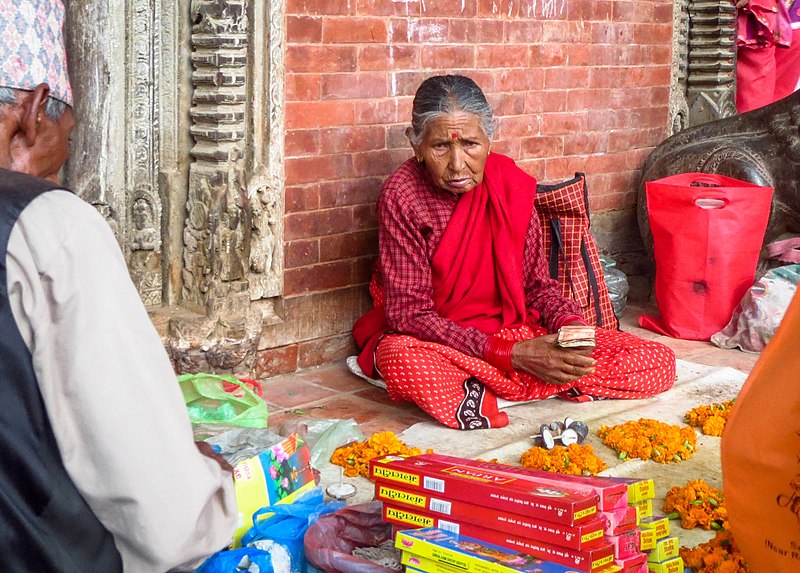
[
  {"x": 206, "y": 449},
  {"x": 742, "y": 3},
  {"x": 541, "y": 357}
]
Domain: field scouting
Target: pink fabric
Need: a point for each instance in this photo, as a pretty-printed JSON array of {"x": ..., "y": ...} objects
[{"x": 755, "y": 77}]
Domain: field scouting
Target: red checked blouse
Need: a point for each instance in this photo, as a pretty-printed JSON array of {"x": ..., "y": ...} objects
[{"x": 413, "y": 214}]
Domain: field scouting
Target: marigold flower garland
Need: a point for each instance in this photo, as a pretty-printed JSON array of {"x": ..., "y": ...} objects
[
  {"x": 720, "y": 555},
  {"x": 355, "y": 457},
  {"x": 711, "y": 418},
  {"x": 575, "y": 459},
  {"x": 698, "y": 505},
  {"x": 650, "y": 439}
]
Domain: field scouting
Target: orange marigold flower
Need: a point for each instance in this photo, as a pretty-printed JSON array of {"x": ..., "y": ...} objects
[
  {"x": 650, "y": 439},
  {"x": 711, "y": 418},
  {"x": 697, "y": 505},
  {"x": 720, "y": 555},
  {"x": 575, "y": 459},
  {"x": 355, "y": 457}
]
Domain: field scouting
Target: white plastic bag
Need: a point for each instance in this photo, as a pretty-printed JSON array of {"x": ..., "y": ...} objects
[{"x": 756, "y": 318}]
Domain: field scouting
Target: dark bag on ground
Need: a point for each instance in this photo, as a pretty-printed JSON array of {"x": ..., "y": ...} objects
[{"x": 574, "y": 261}]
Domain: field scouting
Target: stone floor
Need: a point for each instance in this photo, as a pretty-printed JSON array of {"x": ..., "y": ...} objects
[{"x": 331, "y": 391}]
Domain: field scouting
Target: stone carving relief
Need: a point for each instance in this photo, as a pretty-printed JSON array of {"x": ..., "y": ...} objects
[
  {"x": 196, "y": 204},
  {"x": 703, "y": 83}
]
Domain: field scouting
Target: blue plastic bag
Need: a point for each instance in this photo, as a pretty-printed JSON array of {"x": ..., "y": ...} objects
[
  {"x": 230, "y": 561},
  {"x": 288, "y": 524}
]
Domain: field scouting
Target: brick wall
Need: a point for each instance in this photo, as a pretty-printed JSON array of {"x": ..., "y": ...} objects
[{"x": 577, "y": 85}]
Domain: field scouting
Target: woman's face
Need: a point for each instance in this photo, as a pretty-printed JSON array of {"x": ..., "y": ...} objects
[{"x": 454, "y": 149}]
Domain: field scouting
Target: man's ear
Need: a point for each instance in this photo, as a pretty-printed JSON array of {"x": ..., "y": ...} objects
[{"x": 32, "y": 104}]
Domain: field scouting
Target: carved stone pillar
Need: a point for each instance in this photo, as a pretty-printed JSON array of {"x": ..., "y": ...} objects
[
  {"x": 179, "y": 144},
  {"x": 703, "y": 86}
]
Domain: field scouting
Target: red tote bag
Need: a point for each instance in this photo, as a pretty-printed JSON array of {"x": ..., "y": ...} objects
[{"x": 707, "y": 232}]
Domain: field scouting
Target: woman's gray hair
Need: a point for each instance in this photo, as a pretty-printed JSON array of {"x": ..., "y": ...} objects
[
  {"x": 443, "y": 95},
  {"x": 53, "y": 108}
]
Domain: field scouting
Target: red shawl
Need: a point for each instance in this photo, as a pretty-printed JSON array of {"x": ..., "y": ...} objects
[{"x": 477, "y": 268}]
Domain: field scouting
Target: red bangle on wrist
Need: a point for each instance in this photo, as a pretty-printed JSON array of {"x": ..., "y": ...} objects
[{"x": 498, "y": 353}]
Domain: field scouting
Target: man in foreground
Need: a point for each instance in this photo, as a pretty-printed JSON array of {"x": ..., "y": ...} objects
[{"x": 99, "y": 471}]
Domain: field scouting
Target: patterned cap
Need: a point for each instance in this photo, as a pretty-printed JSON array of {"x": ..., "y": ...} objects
[{"x": 32, "y": 46}]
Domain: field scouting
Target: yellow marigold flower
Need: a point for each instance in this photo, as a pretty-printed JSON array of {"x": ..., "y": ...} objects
[
  {"x": 711, "y": 418},
  {"x": 697, "y": 505},
  {"x": 720, "y": 555}
]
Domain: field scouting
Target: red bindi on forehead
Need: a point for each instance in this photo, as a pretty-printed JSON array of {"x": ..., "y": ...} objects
[{"x": 454, "y": 135}]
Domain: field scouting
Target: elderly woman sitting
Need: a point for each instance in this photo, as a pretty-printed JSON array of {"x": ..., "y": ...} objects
[{"x": 463, "y": 303}]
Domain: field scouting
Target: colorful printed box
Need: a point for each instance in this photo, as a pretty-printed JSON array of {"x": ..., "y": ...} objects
[
  {"x": 643, "y": 508},
  {"x": 416, "y": 564},
  {"x": 665, "y": 549},
  {"x": 648, "y": 539},
  {"x": 277, "y": 475},
  {"x": 468, "y": 554},
  {"x": 591, "y": 559},
  {"x": 625, "y": 544},
  {"x": 619, "y": 521},
  {"x": 633, "y": 564},
  {"x": 572, "y": 536},
  {"x": 658, "y": 523},
  {"x": 638, "y": 489},
  {"x": 671, "y": 566},
  {"x": 485, "y": 488},
  {"x": 612, "y": 494}
]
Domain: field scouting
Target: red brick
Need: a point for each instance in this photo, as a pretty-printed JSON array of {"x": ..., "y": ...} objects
[
  {"x": 317, "y": 278},
  {"x": 519, "y": 79},
  {"x": 303, "y": 29},
  {"x": 301, "y": 198},
  {"x": 590, "y": 11},
  {"x": 318, "y": 223},
  {"x": 302, "y": 142},
  {"x": 646, "y": 33},
  {"x": 562, "y": 32},
  {"x": 522, "y": 31},
  {"x": 380, "y": 112},
  {"x": 419, "y": 30},
  {"x": 406, "y": 83},
  {"x": 308, "y": 58},
  {"x": 478, "y": 31},
  {"x": 607, "y": 163},
  {"x": 396, "y": 137},
  {"x": 549, "y": 55},
  {"x": 349, "y": 245},
  {"x": 391, "y": 57},
  {"x": 319, "y": 7},
  {"x": 351, "y": 139},
  {"x": 362, "y": 270},
  {"x": 560, "y": 169},
  {"x": 502, "y": 56},
  {"x": 615, "y": 33},
  {"x": 384, "y": 8},
  {"x": 301, "y": 115},
  {"x": 507, "y": 104},
  {"x": 663, "y": 13},
  {"x": 378, "y": 163},
  {"x": 636, "y": 12},
  {"x": 326, "y": 350},
  {"x": 362, "y": 191},
  {"x": 518, "y": 126},
  {"x": 507, "y": 147},
  {"x": 354, "y": 30},
  {"x": 585, "y": 143},
  {"x": 364, "y": 217},
  {"x": 301, "y": 253},
  {"x": 558, "y": 78},
  {"x": 302, "y": 87},
  {"x": 534, "y": 166},
  {"x": 448, "y": 57},
  {"x": 600, "y": 203},
  {"x": 308, "y": 169},
  {"x": 542, "y": 146},
  {"x": 540, "y": 101},
  {"x": 275, "y": 361},
  {"x": 558, "y": 123},
  {"x": 589, "y": 99},
  {"x": 354, "y": 86},
  {"x": 498, "y": 8}
]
